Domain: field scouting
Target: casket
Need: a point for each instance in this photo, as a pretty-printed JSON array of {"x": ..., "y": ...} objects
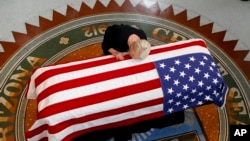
[{"x": 84, "y": 96}]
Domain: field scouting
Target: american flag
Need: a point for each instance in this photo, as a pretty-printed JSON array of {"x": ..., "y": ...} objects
[
  {"x": 189, "y": 81},
  {"x": 79, "y": 97}
]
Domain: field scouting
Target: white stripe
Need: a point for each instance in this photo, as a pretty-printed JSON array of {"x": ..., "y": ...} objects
[
  {"x": 82, "y": 73},
  {"x": 99, "y": 107},
  {"x": 97, "y": 87},
  {"x": 39, "y": 136},
  {"x": 177, "y": 52},
  {"x": 39, "y": 71},
  {"x": 107, "y": 120},
  {"x": 31, "y": 94},
  {"x": 177, "y": 43}
]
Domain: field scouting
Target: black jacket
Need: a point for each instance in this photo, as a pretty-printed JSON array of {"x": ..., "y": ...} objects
[{"x": 116, "y": 37}]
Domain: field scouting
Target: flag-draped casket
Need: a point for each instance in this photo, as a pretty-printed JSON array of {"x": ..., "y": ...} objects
[{"x": 88, "y": 95}]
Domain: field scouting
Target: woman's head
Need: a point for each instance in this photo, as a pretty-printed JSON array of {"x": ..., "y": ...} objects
[{"x": 140, "y": 49}]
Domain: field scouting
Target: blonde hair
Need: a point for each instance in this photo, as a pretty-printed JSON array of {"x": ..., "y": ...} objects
[{"x": 144, "y": 47}]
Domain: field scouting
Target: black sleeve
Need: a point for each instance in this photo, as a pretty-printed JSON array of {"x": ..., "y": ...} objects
[
  {"x": 141, "y": 34},
  {"x": 108, "y": 39}
]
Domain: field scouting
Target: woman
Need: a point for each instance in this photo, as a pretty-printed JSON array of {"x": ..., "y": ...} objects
[{"x": 124, "y": 38}]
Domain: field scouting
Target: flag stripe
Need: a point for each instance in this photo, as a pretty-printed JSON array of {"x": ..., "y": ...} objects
[
  {"x": 70, "y": 68},
  {"x": 117, "y": 124},
  {"x": 51, "y": 88},
  {"x": 108, "y": 87},
  {"x": 179, "y": 46},
  {"x": 38, "y": 134},
  {"x": 90, "y": 120},
  {"x": 103, "y": 106},
  {"x": 132, "y": 117},
  {"x": 124, "y": 116},
  {"x": 99, "y": 97}
]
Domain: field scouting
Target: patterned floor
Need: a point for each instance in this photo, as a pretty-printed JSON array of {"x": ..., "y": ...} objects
[{"x": 77, "y": 35}]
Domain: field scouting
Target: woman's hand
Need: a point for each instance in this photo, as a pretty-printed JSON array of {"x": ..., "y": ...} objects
[{"x": 117, "y": 54}]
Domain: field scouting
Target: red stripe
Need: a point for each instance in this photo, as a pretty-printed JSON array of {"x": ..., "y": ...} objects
[
  {"x": 61, "y": 126},
  {"x": 93, "y": 79},
  {"x": 30, "y": 134},
  {"x": 98, "y": 97},
  {"x": 55, "y": 71}
]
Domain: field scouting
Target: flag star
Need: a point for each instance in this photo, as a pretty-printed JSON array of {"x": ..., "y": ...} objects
[
  {"x": 178, "y": 95},
  {"x": 215, "y": 81},
  {"x": 206, "y": 75},
  {"x": 224, "y": 88},
  {"x": 221, "y": 98},
  {"x": 172, "y": 69},
  {"x": 170, "y": 110},
  {"x": 178, "y": 103},
  {"x": 219, "y": 75},
  {"x": 192, "y": 59},
  {"x": 208, "y": 88},
  {"x": 202, "y": 63},
  {"x": 213, "y": 64},
  {"x": 197, "y": 70},
  {"x": 211, "y": 68},
  {"x": 215, "y": 93},
  {"x": 177, "y": 62},
  {"x": 170, "y": 101},
  {"x": 170, "y": 91},
  {"x": 185, "y": 87},
  {"x": 167, "y": 77},
  {"x": 200, "y": 93},
  {"x": 182, "y": 74},
  {"x": 205, "y": 58},
  {"x": 187, "y": 66},
  {"x": 208, "y": 98},
  {"x": 220, "y": 86},
  {"x": 200, "y": 83},
  {"x": 185, "y": 97},
  {"x": 199, "y": 103},
  {"x": 176, "y": 82},
  {"x": 194, "y": 91},
  {"x": 193, "y": 100},
  {"x": 162, "y": 65},
  {"x": 185, "y": 106},
  {"x": 191, "y": 78}
]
